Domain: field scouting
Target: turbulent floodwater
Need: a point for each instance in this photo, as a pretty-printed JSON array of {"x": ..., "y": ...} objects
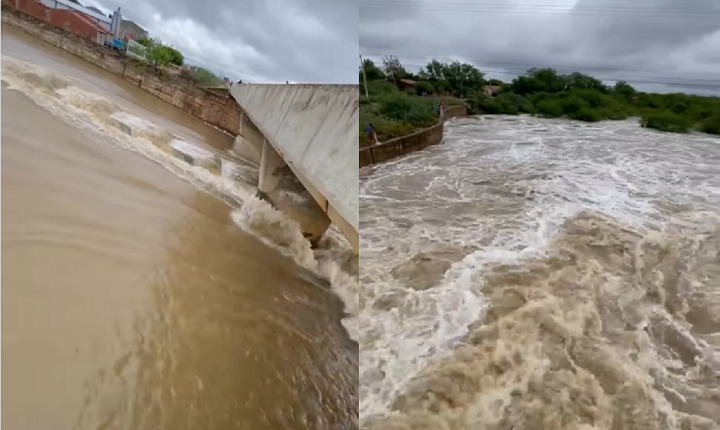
[
  {"x": 542, "y": 274},
  {"x": 144, "y": 286}
]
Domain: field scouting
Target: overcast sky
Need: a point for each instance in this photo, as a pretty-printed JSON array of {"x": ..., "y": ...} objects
[
  {"x": 641, "y": 40},
  {"x": 313, "y": 41}
]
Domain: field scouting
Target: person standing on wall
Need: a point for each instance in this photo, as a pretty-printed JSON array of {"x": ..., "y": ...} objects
[
  {"x": 370, "y": 134},
  {"x": 440, "y": 108}
]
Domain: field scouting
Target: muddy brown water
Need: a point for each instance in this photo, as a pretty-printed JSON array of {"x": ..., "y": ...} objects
[
  {"x": 132, "y": 297},
  {"x": 542, "y": 274}
]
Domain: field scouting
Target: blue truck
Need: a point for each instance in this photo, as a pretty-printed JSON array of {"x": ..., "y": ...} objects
[{"x": 115, "y": 44}]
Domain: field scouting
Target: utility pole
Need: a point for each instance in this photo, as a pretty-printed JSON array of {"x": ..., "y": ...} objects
[{"x": 362, "y": 67}]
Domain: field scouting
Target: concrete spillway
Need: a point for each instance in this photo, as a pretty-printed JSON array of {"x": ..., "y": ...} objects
[{"x": 311, "y": 131}]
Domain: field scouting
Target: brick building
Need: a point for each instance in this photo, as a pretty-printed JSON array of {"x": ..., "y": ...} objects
[{"x": 84, "y": 25}]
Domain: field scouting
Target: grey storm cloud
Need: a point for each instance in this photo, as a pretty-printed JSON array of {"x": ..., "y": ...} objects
[
  {"x": 313, "y": 41},
  {"x": 649, "y": 42}
]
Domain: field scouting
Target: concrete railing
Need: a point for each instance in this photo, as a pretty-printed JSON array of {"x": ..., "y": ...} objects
[{"x": 399, "y": 146}]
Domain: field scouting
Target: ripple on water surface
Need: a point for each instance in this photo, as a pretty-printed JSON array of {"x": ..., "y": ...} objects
[
  {"x": 278, "y": 357},
  {"x": 546, "y": 274}
]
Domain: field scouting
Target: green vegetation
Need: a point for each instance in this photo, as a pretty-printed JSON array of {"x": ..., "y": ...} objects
[
  {"x": 393, "y": 112},
  {"x": 711, "y": 125},
  {"x": 159, "y": 54},
  {"x": 205, "y": 78},
  {"x": 396, "y": 107},
  {"x": 666, "y": 121}
]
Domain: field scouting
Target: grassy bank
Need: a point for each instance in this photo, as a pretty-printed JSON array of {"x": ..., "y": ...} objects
[
  {"x": 394, "y": 113},
  {"x": 396, "y": 108}
]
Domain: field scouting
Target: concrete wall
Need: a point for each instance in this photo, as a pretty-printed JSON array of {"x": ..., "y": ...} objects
[
  {"x": 406, "y": 144},
  {"x": 313, "y": 128},
  {"x": 217, "y": 110}
]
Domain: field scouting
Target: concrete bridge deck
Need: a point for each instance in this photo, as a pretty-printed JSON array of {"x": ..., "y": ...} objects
[{"x": 310, "y": 131}]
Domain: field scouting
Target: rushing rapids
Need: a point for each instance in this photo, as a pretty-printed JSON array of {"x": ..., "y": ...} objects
[{"x": 542, "y": 274}]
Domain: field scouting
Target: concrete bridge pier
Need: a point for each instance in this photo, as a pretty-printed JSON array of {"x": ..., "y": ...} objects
[
  {"x": 304, "y": 138},
  {"x": 279, "y": 186},
  {"x": 249, "y": 142}
]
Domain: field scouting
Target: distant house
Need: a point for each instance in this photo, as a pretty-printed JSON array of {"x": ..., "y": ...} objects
[
  {"x": 132, "y": 31},
  {"x": 492, "y": 90},
  {"x": 407, "y": 84}
]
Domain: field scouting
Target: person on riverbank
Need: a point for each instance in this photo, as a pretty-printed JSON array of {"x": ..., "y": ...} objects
[
  {"x": 440, "y": 108},
  {"x": 370, "y": 134}
]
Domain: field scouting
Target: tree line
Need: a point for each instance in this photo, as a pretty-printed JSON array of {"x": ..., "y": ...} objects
[{"x": 542, "y": 92}]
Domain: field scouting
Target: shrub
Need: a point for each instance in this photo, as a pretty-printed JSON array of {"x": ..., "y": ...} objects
[
  {"x": 205, "y": 77},
  {"x": 711, "y": 125},
  {"x": 505, "y": 103},
  {"x": 537, "y": 98},
  {"x": 514, "y": 103},
  {"x": 666, "y": 121},
  {"x": 417, "y": 111},
  {"x": 380, "y": 87},
  {"x": 395, "y": 114},
  {"x": 550, "y": 108},
  {"x": 489, "y": 106},
  {"x": 586, "y": 114},
  {"x": 594, "y": 98},
  {"x": 384, "y": 128},
  {"x": 424, "y": 88},
  {"x": 615, "y": 112},
  {"x": 573, "y": 104},
  {"x": 482, "y": 104}
]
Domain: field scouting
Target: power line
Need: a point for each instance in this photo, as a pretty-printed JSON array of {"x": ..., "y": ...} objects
[{"x": 543, "y": 9}]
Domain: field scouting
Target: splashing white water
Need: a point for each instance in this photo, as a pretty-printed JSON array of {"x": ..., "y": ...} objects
[
  {"x": 498, "y": 194},
  {"x": 120, "y": 124}
]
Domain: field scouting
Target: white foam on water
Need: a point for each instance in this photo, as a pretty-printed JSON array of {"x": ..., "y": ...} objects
[
  {"x": 405, "y": 337},
  {"x": 502, "y": 194},
  {"x": 428, "y": 325},
  {"x": 276, "y": 229},
  {"x": 79, "y": 104},
  {"x": 191, "y": 150},
  {"x": 228, "y": 168},
  {"x": 333, "y": 251},
  {"x": 134, "y": 123},
  {"x": 284, "y": 234}
]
